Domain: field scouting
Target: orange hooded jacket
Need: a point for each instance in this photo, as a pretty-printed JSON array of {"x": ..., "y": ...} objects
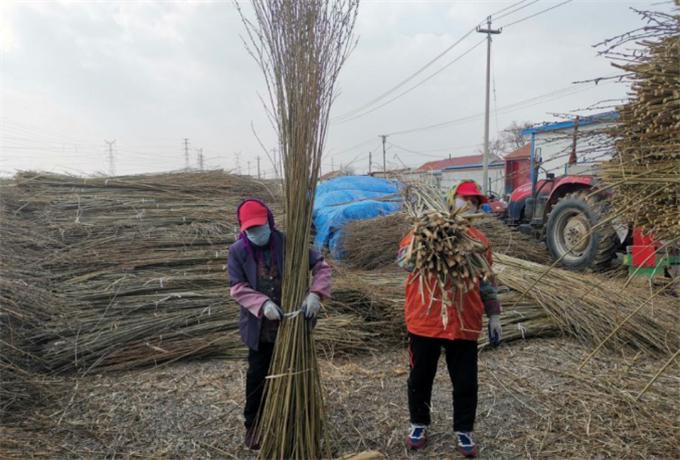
[{"x": 465, "y": 325}]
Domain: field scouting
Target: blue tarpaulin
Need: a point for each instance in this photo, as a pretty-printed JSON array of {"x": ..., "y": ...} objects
[{"x": 347, "y": 198}]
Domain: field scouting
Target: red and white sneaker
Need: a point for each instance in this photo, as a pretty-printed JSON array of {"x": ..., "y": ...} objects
[
  {"x": 417, "y": 437},
  {"x": 466, "y": 445}
]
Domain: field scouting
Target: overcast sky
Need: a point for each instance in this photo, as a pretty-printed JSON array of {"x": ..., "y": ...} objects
[{"x": 149, "y": 74}]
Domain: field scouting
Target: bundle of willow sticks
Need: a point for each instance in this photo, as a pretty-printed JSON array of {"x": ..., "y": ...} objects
[
  {"x": 443, "y": 248},
  {"x": 448, "y": 255},
  {"x": 300, "y": 48},
  {"x": 645, "y": 169}
]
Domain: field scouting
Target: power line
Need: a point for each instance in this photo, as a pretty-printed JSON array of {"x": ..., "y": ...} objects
[
  {"x": 347, "y": 149},
  {"x": 407, "y": 79},
  {"x": 568, "y": 91},
  {"x": 509, "y": 13},
  {"x": 535, "y": 14},
  {"x": 403, "y": 93},
  {"x": 352, "y": 113},
  {"x": 425, "y": 152}
]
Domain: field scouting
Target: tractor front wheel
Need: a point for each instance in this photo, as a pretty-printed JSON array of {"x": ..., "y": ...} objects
[{"x": 570, "y": 236}]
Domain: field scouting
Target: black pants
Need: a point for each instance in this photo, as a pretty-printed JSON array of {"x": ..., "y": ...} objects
[
  {"x": 258, "y": 366},
  {"x": 461, "y": 361}
]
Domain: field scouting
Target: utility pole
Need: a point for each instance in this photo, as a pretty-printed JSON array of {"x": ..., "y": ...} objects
[
  {"x": 237, "y": 156},
  {"x": 384, "y": 139},
  {"x": 186, "y": 153},
  {"x": 112, "y": 168},
  {"x": 370, "y": 162},
  {"x": 248, "y": 167},
  {"x": 488, "y": 31},
  {"x": 572, "y": 155},
  {"x": 259, "y": 176},
  {"x": 199, "y": 158}
]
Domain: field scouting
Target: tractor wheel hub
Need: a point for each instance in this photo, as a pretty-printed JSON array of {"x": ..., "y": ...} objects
[{"x": 575, "y": 233}]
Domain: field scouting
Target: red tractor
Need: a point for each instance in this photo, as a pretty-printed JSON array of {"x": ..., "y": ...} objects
[{"x": 563, "y": 212}]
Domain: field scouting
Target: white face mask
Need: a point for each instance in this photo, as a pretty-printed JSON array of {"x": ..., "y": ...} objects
[
  {"x": 467, "y": 206},
  {"x": 461, "y": 203}
]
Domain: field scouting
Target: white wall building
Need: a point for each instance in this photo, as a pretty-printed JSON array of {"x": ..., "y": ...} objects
[
  {"x": 453, "y": 170},
  {"x": 553, "y": 144}
]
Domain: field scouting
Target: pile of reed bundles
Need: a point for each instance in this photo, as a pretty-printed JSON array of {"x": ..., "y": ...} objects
[
  {"x": 645, "y": 169},
  {"x": 596, "y": 311},
  {"x": 117, "y": 292},
  {"x": 373, "y": 243},
  {"x": 137, "y": 267},
  {"x": 25, "y": 306}
]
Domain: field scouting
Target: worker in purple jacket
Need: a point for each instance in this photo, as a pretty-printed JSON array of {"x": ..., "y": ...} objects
[{"x": 255, "y": 271}]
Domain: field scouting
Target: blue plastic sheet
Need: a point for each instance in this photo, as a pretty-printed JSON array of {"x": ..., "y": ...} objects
[{"x": 344, "y": 199}]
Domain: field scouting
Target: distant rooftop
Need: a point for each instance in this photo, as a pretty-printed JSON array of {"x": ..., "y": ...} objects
[
  {"x": 519, "y": 154},
  {"x": 469, "y": 161}
]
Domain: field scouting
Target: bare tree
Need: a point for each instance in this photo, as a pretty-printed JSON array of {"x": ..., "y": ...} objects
[
  {"x": 509, "y": 140},
  {"x": 497, "y": 147},
  {"x": 512, "y": 135}
]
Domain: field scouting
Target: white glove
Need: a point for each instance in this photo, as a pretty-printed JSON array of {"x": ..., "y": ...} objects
[
  {"x": 311, "y": 305},
  {"x": 495, "y": 330},
  {"x": 272, "y": 311}
]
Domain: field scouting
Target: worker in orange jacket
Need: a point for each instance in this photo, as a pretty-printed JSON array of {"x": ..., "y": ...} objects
[{"x": 427, "y": 336}]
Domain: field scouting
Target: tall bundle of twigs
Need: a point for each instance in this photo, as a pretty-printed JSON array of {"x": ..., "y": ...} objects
[
  {"x": 300, "y": 47},
  {"x": 645, "y": 170}
]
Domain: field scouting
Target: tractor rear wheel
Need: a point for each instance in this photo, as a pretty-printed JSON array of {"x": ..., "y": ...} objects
[{"x": 570, "y": 236}]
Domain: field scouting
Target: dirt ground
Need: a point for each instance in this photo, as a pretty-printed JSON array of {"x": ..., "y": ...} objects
[{"x": 193, "y": 410}]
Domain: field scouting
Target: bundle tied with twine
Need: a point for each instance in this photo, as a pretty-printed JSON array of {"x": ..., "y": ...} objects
[
  {"x": 300, "y": 47},
  {"x": 443, "y": 250}
]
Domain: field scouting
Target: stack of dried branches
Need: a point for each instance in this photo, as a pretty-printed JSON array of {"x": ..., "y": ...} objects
[
  {"x": 25, "y": 306},
  {"x": 138, "y": 260},
  {"x": 300, "y": 47},
  {"x": 505, "y": 240},
  {"x": 590, "y": 308},
  {"x": 139, "y": 283},
  {"x": 379, "y": 296},
  {"x": 645, "y": 169},
  {"x": 373, "y": 243}
]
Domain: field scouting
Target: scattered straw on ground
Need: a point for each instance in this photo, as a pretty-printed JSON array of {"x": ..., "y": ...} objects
[{"x": 533, "y": 404}]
